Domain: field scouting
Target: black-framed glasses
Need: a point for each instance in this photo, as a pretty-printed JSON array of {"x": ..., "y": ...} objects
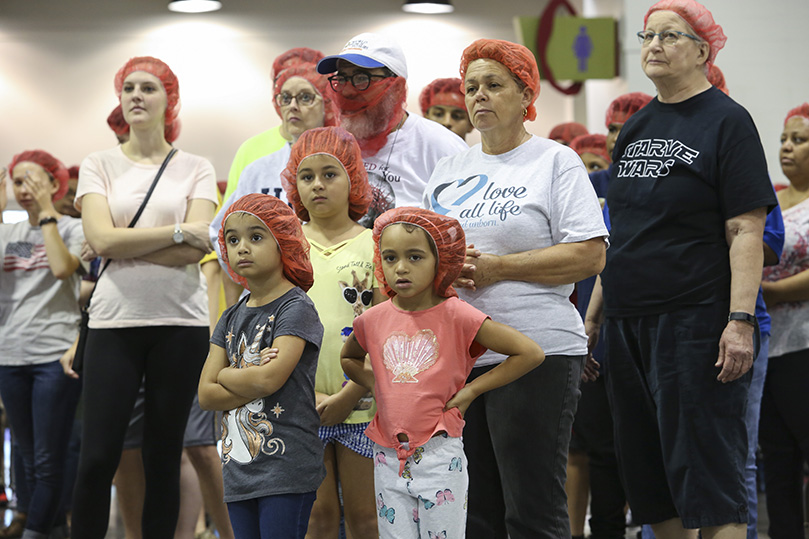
[
  {"x": 304, "y": 99},
  {"x": 669, "y": 37},
  {"x": 359, "y": 80}
]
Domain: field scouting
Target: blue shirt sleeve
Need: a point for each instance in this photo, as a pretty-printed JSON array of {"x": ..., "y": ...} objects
[
  {"x": 774, "y": 239},
  {"x": 774, "y": 231},
  {"x": 600, "y": 180}
]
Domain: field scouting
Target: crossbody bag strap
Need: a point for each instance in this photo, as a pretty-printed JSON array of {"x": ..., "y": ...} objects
[{"x": 137, "y": 214}]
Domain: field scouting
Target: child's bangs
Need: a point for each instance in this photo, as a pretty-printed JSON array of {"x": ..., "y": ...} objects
[
  {"x": 447, "y": 240},
  {"x": 284, "y": 227}
]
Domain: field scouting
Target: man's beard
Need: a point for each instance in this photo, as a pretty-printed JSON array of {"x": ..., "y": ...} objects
[{"x": 371, "y": 126}]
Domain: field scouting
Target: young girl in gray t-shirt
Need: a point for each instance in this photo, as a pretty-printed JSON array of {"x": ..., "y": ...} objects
[{"x": 272, "y": 461}]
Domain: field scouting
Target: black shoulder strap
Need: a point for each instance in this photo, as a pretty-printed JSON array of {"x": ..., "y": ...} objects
[
  {"x": 138, "y": 213},
  {"x": 151, "y": 188}
]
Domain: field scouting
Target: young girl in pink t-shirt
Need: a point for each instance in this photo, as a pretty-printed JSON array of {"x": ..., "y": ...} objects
[{"x": 422, "y": 345}]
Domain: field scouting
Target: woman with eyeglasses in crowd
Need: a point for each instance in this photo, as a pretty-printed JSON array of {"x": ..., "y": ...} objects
[
  {"x": 687, "y": 202},
  {"x": 302, "y": 100}
]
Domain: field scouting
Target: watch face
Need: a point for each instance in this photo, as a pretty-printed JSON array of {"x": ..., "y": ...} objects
[{"x": 178, "y": 237}]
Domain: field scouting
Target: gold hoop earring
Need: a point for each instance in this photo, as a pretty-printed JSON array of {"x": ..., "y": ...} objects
[{"x": 524, "y": 112}]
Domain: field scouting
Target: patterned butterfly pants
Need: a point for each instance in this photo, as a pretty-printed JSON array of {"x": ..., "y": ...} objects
[{"x": 429, "y": 499}]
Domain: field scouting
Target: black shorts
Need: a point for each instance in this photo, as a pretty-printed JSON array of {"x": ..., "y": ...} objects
[
  {"x": 592, "y": 426},
  {"x": 680, "y": 434},
  {"x": 199, "y": 430}
]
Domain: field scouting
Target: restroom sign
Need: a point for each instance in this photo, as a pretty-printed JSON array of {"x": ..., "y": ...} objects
[{"x": 578, "y": 49}]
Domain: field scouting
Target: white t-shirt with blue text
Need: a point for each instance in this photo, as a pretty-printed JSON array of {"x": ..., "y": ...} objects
[{"x": 532, "y": 197}]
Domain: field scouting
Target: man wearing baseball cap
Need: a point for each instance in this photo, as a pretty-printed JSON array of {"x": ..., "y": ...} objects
[{"x": 399, "y": 149}]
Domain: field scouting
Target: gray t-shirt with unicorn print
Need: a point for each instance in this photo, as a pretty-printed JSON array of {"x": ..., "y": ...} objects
[{"x": 270, "y": 445}]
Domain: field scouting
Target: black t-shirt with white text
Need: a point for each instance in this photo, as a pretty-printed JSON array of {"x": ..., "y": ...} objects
[{"x": 681, "y": 170}]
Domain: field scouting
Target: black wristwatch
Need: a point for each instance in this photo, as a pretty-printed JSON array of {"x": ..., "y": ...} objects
[
  {"x": 47, "y": 221},
  {"x": 742, "y": 317}
]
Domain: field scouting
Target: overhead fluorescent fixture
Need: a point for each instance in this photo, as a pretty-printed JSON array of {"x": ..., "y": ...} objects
[
  {"x": 429, "y": 7},
  {"x": 194, "y": 6}
]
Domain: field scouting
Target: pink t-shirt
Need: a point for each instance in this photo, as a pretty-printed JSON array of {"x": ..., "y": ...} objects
[
  {"x": 133, "y": 292},
  {"x": 421, "y": 359}
]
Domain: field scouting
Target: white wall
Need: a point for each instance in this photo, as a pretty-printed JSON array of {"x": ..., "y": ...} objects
[
  {"x": 57, "y": 63},
  {"x": 764, "y": 60},
  {"x": 598, "y": 94},
  {"x": 58, "y": 59}
]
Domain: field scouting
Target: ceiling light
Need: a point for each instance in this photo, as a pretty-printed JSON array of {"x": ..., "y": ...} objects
[
  {"x": 430, "y": 7},
  {"x": 194, "y": 6}
]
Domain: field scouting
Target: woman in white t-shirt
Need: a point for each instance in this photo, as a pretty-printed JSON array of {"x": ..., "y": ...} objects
[
  {"x": 39, "y": 314},
  {"x": 534, "y": 222},
  {"x": 148, "y": 316}
]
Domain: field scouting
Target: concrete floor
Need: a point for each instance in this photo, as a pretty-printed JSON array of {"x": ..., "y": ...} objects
[{"x": 116, "y": 530}]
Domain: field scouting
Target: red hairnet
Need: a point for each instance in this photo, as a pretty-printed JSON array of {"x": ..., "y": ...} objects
[
  {"x": 293, "y": 57},
  {"x": 623, "y": 107},
  {"x": 340, "y": 144},
  {"x": 73, "y": 172},
  {"x": 802, "y": 110},
  {"x": 331, "y": 114},
  {"x": 516, "y": 58},
  {"x": 446, "y": 92},
  {"x": 170, "y": 84},
  {"x": 119, "y": 126},
  {"x": 445, "y": 233},
  {"x": 594, "y": 144},
  {"x": 568, "y": 131},
  {"x": 699, "y": 18},
  {"x": 52, "y": 166},
  {"x": 285, "y": 228},
  {"x": 117, "y": 122},
  {"x": 717, "y": 78}
]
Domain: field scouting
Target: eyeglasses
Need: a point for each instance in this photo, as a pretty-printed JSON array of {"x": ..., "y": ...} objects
[
  {"x": 304, "y": 99},
  {"x": 669, "y": 37},
  {"x": 359, "y": 80}
]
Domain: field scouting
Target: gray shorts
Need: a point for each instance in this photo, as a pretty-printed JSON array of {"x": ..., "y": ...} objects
[{"x": 199, "y": 430}]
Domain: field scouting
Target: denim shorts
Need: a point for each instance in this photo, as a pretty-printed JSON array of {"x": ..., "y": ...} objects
[{"x": 351, "y": 435}]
